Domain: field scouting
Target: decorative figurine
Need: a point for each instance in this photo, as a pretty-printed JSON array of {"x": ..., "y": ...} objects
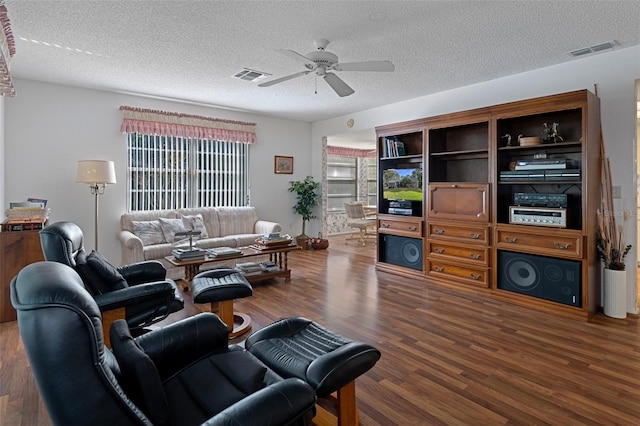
[
  {"x": 520, "y": 136},
  {"x": 507, "y": 136},
  {"x": 550, "y": 134}
]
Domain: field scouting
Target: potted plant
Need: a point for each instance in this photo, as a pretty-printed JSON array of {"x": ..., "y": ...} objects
[
  {"x": 307, "y": 199},
  {"x": 612, "y": 249}
]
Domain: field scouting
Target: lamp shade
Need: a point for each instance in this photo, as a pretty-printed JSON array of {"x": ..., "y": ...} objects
[{"x": 96, "y": 171}]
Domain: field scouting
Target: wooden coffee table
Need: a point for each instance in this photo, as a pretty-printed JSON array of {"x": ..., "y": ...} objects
[{"x": 277, "y": 254}]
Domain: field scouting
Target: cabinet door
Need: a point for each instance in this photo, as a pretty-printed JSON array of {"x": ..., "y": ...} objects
[
  {"x": 18, "y": 250},
  {"x": 459, "y": 201}
]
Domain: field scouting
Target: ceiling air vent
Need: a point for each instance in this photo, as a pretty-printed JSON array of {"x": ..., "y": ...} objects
[
  {"x": 250, "y": 75},
  {"x": 593, "y": 49}
]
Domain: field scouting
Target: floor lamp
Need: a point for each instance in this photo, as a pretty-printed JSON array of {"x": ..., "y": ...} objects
[{"x": 96, "y": 173}]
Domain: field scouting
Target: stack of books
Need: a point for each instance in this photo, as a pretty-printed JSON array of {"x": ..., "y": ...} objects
[
  {"x": 189, "y": 254},
  {"x": 249, "y": 267},
  {"x": 223, "y": 252},
  {"x": 392, "y": 147},
  {"x": 272, "y": 240},
  {"x": 269, "y": 266},
  {"x": 26, "y": 215}
]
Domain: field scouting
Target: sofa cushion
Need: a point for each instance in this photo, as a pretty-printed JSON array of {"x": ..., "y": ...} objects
[
  {"x": 209, "y": 217},
  {"x": 126, "y": 220},
  {"x": 170, "y": 227},
  {"x": 99, "y": 275},
  {"x": 237, "y": 220},
  {"x": 149, "y": 231},
  {"x": 195, "y": 222},
  {"x": 217, "y": 242},
  {"x": 158, "y": 251}
]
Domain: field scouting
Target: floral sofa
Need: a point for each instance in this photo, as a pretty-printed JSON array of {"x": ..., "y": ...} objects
[{"x": 148, "y": 235}]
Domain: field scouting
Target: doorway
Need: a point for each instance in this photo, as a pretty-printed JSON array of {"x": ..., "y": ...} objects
[{"x": 348, "y": 174}]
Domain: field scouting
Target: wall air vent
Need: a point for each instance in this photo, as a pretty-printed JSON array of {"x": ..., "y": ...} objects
[
  {"x": 593, "y": 49},
  {"x": 250, "y": 75}
]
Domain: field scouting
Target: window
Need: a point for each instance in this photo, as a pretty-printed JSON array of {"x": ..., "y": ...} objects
[{"x": 170, "y": 172}]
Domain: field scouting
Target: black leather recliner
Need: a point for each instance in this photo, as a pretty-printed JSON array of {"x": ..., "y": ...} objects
[
  {"x": 182, "y": 374},
  {"x": 139, "y": 293}
]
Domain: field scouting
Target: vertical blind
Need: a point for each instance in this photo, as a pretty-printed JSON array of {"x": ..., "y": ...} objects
[{"x": 167, "y": 172}]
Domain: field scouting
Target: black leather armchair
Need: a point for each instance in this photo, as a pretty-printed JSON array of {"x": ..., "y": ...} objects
[
  {"x": 139, "y": 293},
  {"x": 182, "y": 374}
]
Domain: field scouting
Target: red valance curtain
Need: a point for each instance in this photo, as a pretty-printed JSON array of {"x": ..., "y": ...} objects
[
  {"x": 152, "y": 122},
  {"x": 7, "y": 50},
  {"x": 340, "y": 151}
]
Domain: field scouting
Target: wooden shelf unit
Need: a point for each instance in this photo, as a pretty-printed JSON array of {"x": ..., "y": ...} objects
[{"x": 466, "y": 208}]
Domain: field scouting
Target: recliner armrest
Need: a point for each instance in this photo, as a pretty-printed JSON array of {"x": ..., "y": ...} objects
[
  {"x": 130, "y": 296},
  {"x": 277, "y": 404},
  {"x": 143, "y": 272},
  {"x": 179, "y": 344}
]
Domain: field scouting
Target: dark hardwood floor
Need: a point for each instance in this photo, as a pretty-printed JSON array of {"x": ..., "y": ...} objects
[{"x": 448, "y": 358}]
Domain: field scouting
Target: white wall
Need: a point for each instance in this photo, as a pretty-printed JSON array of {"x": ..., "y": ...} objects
[
  {"x": 614, "y": 72},
  {"x": 50, "y": 127}
]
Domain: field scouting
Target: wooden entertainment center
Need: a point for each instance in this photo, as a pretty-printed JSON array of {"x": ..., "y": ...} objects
[{"x": 463, "y": 229}]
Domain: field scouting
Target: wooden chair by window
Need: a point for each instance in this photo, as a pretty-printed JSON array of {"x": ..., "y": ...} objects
[{"x": 356, "y": 218}]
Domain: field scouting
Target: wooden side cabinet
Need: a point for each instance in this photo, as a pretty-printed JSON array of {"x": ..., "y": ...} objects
[{"x": 18, "y": 249}]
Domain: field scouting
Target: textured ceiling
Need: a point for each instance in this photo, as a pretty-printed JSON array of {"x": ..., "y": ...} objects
[{"x": 189, "y": 50}]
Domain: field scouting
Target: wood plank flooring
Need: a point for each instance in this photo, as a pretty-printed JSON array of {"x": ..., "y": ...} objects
[{"x": 448, "y": 358}]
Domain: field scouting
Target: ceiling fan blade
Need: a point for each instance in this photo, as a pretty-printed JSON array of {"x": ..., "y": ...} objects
[
  {"x": 281, "y": 79},
  {"x": 298, "y": 57},
  {"x": 339, "y": 86},
  {"x": 385, "y": 66}
]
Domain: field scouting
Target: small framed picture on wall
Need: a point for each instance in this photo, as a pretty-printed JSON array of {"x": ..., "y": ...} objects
[{"x": 283, "y": 165}]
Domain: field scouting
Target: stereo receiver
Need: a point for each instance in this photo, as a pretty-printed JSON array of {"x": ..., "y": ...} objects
[{"x": 539, "y": 216}]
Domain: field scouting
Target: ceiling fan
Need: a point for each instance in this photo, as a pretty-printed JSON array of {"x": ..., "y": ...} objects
[{"x": 322, "y": 63}]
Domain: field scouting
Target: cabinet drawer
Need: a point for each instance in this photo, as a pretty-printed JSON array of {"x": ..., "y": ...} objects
[
  {"x": 466, "y": 253},
  {"x": 551, "y": 243},
  {"x": 403, "y": 227},
  {"x": 469, "y": 275},
  {"x": 461, "y": 233},
  {"x": 459, "y": 201}
]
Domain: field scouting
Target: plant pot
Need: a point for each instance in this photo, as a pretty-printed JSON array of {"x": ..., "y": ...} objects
[
  {"x": 615, "y": 293},
  {"x": 303, "y": 241}
]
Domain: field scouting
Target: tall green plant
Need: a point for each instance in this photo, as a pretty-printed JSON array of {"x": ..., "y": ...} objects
[{"x": 307, "y": 199}]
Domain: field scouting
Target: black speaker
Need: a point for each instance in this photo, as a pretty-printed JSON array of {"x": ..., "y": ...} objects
[
  {"x": 558, "y": 280},
  {"x": 401, "y": 251}
]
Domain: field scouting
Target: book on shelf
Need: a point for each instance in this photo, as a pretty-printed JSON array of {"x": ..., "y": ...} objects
[
  {"x": 269, "y": 266},
  {"x": 392, "y": 147},
  {"x": 23, "y": 225},
  {"x": 249, "y": 267}
]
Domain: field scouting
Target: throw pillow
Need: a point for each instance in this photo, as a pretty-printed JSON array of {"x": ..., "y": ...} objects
[
  {"x": 99, "y": 275},
  {"x": 150, "y": 232},
  {"x": 170, "y": 227},
  {"x": 140, "y": 379},
  {"x": 196, "y": 223}
]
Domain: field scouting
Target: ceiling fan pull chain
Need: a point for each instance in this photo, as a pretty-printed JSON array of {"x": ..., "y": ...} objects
[{"x": 315, "y": 80}]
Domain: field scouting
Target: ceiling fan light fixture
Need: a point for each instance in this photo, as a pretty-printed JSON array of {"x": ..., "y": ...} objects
[{"x": 322, "y": 63}]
